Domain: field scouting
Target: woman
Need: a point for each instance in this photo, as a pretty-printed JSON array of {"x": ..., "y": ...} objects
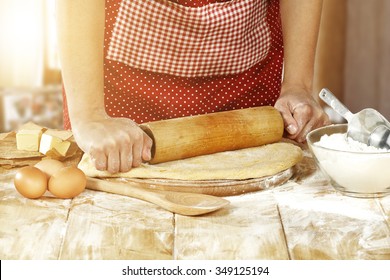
[{"x": 172, "y": 58}]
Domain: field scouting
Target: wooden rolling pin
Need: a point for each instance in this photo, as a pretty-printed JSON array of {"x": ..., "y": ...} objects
[{"x": 186, "y": 137}]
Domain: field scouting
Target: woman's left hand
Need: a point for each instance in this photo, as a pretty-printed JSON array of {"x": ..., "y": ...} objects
[{"x": 301, "y": 113}]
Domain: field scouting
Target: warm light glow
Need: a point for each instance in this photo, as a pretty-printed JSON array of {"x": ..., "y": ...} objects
[{"x": 21, "y": 42}]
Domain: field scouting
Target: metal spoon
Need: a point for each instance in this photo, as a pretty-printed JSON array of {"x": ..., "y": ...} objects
[
  {"x": 380, "y": 137},
  {"x": 367, "y": 126},
  {"x": 189, "y": 204}
]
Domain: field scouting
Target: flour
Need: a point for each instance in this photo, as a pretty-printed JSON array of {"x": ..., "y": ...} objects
[
  {"x": 340, "y": 142},
  {"x": 358, "y": 169}
]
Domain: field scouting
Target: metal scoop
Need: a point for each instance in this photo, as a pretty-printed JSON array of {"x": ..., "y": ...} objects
[{"x": 367, "y": 126}]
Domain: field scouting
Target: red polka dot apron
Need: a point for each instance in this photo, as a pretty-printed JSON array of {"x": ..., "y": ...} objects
[{"x": 166, "y": 59}]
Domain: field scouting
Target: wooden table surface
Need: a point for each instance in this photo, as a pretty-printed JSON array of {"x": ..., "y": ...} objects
[{"x": 301, "y": 219}]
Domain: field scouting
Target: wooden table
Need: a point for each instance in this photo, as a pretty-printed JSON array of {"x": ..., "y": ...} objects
[{"x": 302, "y": 219}]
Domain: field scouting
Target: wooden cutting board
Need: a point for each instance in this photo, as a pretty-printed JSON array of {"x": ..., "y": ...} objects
[
  {"x": 11, "y": 157},
  {"x": 211, "y": 187}
]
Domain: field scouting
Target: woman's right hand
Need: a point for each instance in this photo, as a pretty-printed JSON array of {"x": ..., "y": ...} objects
[{"x": 114, "y": 144}]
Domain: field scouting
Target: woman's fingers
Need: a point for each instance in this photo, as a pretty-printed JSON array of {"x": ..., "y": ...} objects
[
  {"x": 147, "y": 148},
  {"x": 301, "y": 114},
  {"x": 114, "y": 144},
  {"x": 113, "y": 161}
]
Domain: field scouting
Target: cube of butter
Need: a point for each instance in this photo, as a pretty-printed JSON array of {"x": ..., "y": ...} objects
[
  {"x": 55, "y": 140},
  {"x": 28, "y": 137}
]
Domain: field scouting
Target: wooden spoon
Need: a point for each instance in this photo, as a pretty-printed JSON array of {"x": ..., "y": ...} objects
[{"x": 189, "y": 204}]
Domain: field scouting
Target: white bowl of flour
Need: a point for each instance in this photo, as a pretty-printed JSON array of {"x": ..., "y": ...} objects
[{"x": 353, "y": 168}]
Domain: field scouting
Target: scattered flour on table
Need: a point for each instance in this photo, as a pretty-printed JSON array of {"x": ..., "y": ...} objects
[{"x": 340, "y": 141}]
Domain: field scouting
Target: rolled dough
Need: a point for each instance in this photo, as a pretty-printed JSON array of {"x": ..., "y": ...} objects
[{"x": 242, "y": 164}]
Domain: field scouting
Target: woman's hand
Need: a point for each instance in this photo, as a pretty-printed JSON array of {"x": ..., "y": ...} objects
[
  {"x": 300, "y": 112},
  {"x": 114, "y": 144}
]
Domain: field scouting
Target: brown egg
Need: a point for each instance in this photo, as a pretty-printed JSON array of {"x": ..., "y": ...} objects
[
  {"x": 30, "y": 182},
  {"x": 68, "y": 182},
  {"x": 49, "y": 166}
]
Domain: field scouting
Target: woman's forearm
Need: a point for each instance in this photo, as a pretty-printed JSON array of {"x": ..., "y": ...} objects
[
  {"x": 300, "y": 23},
  {"x": 80, "y": 26},
  {"x": 300, "y": 112}
]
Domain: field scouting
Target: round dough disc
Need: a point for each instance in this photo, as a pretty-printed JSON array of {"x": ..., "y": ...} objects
[{"x": 257, "y": 162}]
